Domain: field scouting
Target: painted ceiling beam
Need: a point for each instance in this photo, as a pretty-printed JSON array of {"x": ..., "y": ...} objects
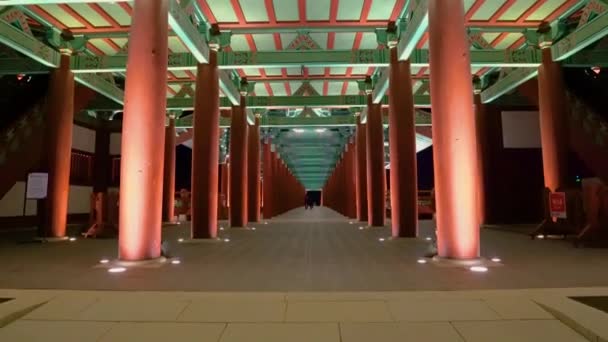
[
  {"x": 193, "y": 39},
  {"x": 28, "y": 45},
  {"x": 529, "y": 58},
  {"x": 581, "y": 38},
  {"x": 187, "y": 32},
  {"x": 48, "y": 57},
  {"x": 102, "y": 86},
  {"x": 311, "y": 122},
  {"x": 416, "y": 28},
  {"x": 49, "y": 2},
  {"x": 508, "y": 83}
]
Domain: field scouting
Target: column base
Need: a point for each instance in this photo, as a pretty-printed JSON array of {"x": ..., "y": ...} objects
[
  {"x": 53, "y": 239},
  {"x": 150, "y": 263},
  {"x": 464, "y": 263},
  {"x": 191, "y": 241}
]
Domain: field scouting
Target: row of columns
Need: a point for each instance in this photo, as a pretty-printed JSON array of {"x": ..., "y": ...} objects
[
  {"x": 459, "y": 192},
  {"x": 456, "y": 150},
  {"x": 340, "y": 189}
]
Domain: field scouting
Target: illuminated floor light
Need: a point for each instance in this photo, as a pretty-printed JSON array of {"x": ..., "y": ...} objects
[
  {"x": 428, "y": 238},
  {"x": 540, "y": 236},
  {"x": 381, "y": 239},
  {"x": 117, "y": 269},
  {"x": 72, "y": 239},
  {"x": 421, "y": 261},
  {"x": 104, "y": 261},
  {"x": 495, "y": 259},
  {"x": 361, "y": 228},
  {"x": 266, "y": 222},
  {"x": 176, "y": 261},
  {"x": 252, "y": 228},
  {"x": 221, "y": 228},
  {"x": 479, "y": 269},
  {"x": 226, "y": 240},
  {"x": 351, "y": 222},
  {"x": 180, "y": 240}
]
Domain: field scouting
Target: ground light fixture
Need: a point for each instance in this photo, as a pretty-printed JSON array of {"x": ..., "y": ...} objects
[
  {"x": 104, "y": 261},
  {"x": 72, "y": 239},
  {"x": 221, "y": 228},
  {"x": 381, "y": 239},
  {"x": 421, "y": 261},
  {"x": 226, "y": 240},
  {"x": 117, "y": 269},
  {"x": 361, "y": 228},
  {"x": 428, "y": 238},
  {"x": 180, "y": 240},
  {"x": 176, "y": 261},
  {"x": 496, "y": 259},
  {"x": 478, "y": 269},
  {"x": 252, "y": 228},
  {"x": 540, "y": 236}
]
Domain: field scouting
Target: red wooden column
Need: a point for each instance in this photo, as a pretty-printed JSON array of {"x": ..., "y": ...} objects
[
  {"x": 553, "y": 123},
  {"x": 169, "y": 173},
  {"x": 454, "y": 135},
  {"x": 238, "y": 166},
  {"x": 361, "y": 170},
  {"x": 267, "y": 156},
  {"x": 254, "y": 172},
  {"x": 224, "y": 190},
  {"x": 376, "y": 174},
  {"x": 480, "y": 118},
  {"x": 143, "y": 130},
  {"x": 60, "y": 117},
  {"x": 402, "y": 144},
  {"x": 205, "y": 150},
  {"x": 351, "y": 181}
]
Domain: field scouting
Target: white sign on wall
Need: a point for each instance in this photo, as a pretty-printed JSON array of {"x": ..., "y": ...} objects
[{"x": 37, "y": 184}]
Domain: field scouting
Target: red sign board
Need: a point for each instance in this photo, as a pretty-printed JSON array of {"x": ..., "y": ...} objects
[{"x": 557, "y": 204}]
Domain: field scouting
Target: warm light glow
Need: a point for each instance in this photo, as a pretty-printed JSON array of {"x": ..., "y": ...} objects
[
  {"x": 221, "y": 228},
  {"x": 428, "y": 238},
  {"x": 480, "y": 269},
  {"x": 298, "y": 130},
  {"x": 361, "y": 228},
  {"x": 226, "y": 240},
  {"x": 104, "y": 261},
  {"x": 180, "y": 240},
  {"x": 72, "y": 239},
  {"x": 421, "y": 261},
  {"x": 252, "y": 228},
  {"x": 495, "y": 259},
  {"x": 176, "y": 261},
  {"x": 386, "y": 143},
  {"x": 597, "y": 70},
  {"x": 351, "y": 222},
  {"x": 540, "y": 236},
  {"x": 117, "y": 269},
  {"x": 266, "y": 222},
  {"x": 381, "y": 239}
]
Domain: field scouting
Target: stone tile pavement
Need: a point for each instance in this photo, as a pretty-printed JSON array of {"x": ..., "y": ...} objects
[{"x": 421, "y": 316}]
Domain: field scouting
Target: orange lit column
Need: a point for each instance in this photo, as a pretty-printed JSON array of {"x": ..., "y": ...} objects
[
  {"x": 402, "y": 144},
  {"x": 376, "y": 174},
  {"x": 238, "y": 166},
  {"x": 480, "y": 118},
  {"x": 267, "y": 175},
  {"x": 205, "y": 150},
  {"x": 253, "y": 159},
  {"x": 223, "y": 190},
  {"x": 351, "y": 180},
  {"x": 169, "y": 173},
  {"x": 454, "y": 136},
  {"x": 60, "y": 115},
  {"x": 143, "y": 130},
  {"x": 361, "y": 170},
  {"x": 553, "y": 125}
]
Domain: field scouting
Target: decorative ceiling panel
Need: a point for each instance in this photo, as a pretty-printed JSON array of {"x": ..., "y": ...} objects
[
  {"x": 117, "y": 13},
  {"x": 516, "y": 10},
  {"x": 286, "y": 10},
  {"x": 382, "y": 9},
  {"x": 317, "y": 10},
  {"x": 545, "y": 10},
  {"x": 487, "y": 9},
  {"x": 254, "y": 10},
  {"x": 350, "y": 10}
]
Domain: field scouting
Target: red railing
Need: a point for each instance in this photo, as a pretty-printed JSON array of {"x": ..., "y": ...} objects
[{"x": 81, "y": 168}]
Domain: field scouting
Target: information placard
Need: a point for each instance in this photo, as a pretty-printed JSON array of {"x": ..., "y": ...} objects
[
  {"x": 557, "y": 204},
  {"x": 37, "y": 184}
]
